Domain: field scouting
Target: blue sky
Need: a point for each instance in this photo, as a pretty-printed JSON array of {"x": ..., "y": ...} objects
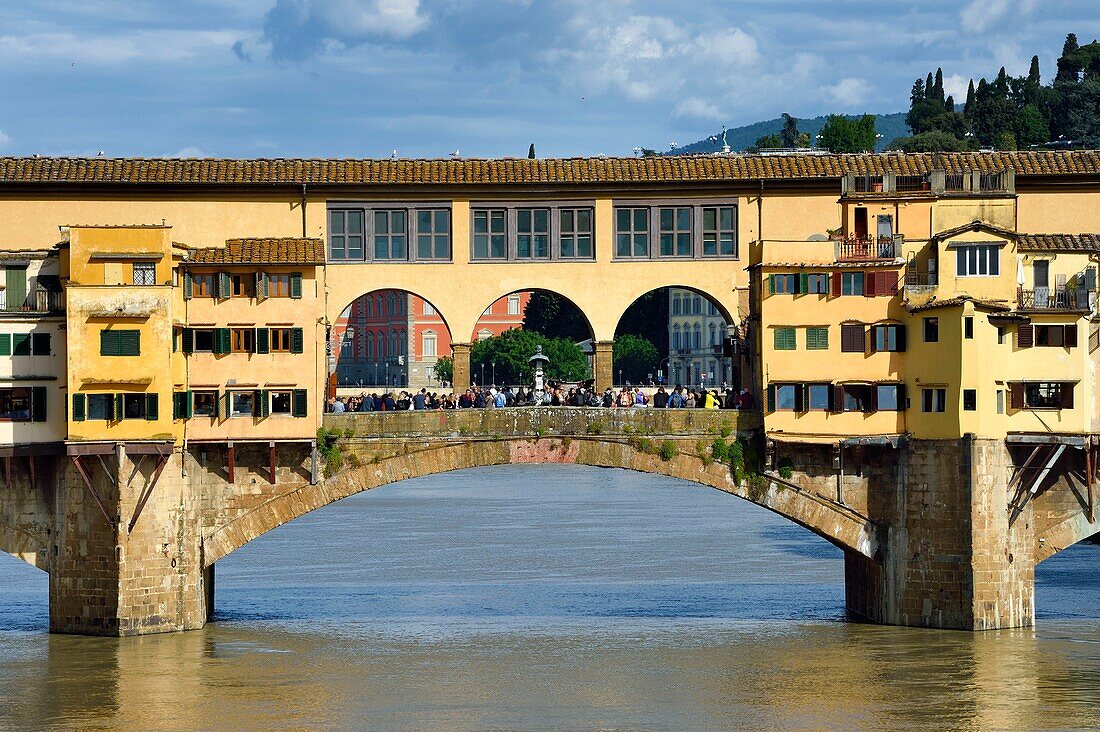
[{"x": 359, "y": 78}]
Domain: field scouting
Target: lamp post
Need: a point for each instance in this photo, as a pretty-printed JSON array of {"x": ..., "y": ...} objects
[
  {"x": 620, "y": 377},
  {"x": 494, "y": 373},
  {"x": 538, "y": 361},
  {"x": 482, "y": 373}
]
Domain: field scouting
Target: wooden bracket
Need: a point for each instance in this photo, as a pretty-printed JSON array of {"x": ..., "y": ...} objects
[
  {"x": 146, "y": 494},
  {"x": 230, "y": 460},
  {"x": 91, "y": 489},
  {"x": 271, "y": 451}
]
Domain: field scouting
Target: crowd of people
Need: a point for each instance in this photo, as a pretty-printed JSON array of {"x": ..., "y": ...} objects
[{"x": 554, "y": 396}]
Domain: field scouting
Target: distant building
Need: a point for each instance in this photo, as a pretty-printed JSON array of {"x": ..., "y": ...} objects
[
  {"x": 394, "y": 338},
  {"x": 696, "y": 332}
]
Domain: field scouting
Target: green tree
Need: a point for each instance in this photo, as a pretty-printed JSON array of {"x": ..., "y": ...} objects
[
  {"x": 635, "y": 357},
  {"x": 531, "y": 152},
  {"x": 765, "y": 142},
  {"x": 511, "y": 351},
  {"x": 554, "y": 316},
  {"x": 843, "y": 135},
  {"x": 647, "y": 317},
  {"x": 1031, "y": 127},
  {"x": 929, "y": 142},
  {"x": 789, "y": 135},
  {"x": 445, "y": 369}
]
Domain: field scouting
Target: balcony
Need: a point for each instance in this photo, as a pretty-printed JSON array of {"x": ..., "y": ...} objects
[
  {"x": 1053, "y": 298},
  {"x": 922, "y": 279},
  {"x": 868, "y": 248},
  {"x": 39, "y": 301}
]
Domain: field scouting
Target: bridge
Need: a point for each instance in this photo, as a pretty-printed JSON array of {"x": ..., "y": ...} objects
[{"x": 935, "y": 533}]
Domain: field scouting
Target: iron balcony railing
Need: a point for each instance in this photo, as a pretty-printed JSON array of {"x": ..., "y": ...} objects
[
  {"x": 39, "y": 301},
  {"x": 992, "y": 181},
  {"x": 911, "y": 183},
  {"x": 922, "y": 279},
  {"x": 1053, "y": 298},
  {"x": 868, "y": 248},
  {"x": 867, "y": 184}
]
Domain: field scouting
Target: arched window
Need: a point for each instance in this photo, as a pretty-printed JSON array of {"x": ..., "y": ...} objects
[
  {"x": 696, "y": 337},
  {"x": 696, "y": 305},
  {"x": 370, "y": 346},
  {"x": 484, "y": 335},
  {"x": 427, "y": 344},
  {"x": 428, "y": 309},
  {"x": 676, "y": 336},
  {"x": 713, "y": 335},
  {"x": 378, "y": 306},
  {"x": 675, "y": 304}
]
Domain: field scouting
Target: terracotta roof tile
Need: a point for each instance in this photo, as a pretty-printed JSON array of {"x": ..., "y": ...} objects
[
  {"x": 995, "y": 305},
  {"x": 262, "y": 251},
  {"x": 686, "y": 168},
  {"x": 1059, "y": 243}
]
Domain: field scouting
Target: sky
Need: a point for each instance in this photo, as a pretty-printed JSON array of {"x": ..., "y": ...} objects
[{"x": 485, "y": 78}]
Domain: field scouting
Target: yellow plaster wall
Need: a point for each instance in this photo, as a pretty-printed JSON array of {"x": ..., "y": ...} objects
[{"x": 1059, "y": 211}]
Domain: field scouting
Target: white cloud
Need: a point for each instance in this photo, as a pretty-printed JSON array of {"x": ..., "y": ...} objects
[
  {"x": 297, "y": 29},
  {"x": 4, "y": 139},
  {"x": 848, "y": 92},
  {"x": 955, "y": 85},
  {"x": 156, "y": 46},
  {"x": 980, "y": 15},
  {"x": 696, "y": 108},
  {"x": 189, "y": 152}
]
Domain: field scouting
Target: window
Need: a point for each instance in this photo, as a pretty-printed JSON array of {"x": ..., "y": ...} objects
[
  {"x": 857, "y": 398},
  {"x": 281, "y": 402},
  {"x": 1042, "y": 395},
  {"x": 203, "y": 340},
  {"x": 696, "y": 305},
  {"x": 575, "y": 233},
  {"x": 119, "y": 343},
  {"x": 278, "y": 285},
  {"x": 786, "y": 396},
  {"x": 1053, "y": 335},
  {"x": 817, "y": 284},
  {"x": 1000, "y": 401},
  {"x": 513, "y": 304},
  {"x": 1000, "y": 335},
  {"x": 101, "y": 406},
  {"x": 977, "y": 260},
  {"x": 852, "y": 338},
  {"x": 720, "y": 231},
  {"x": 889, "y": 338},
  {"x": 970, "y": 400},
  {"x": 15, "y": 405},
  {"x": 490, "y": 241},
  {"x": 241, "y": 403},
  {"x": 783, "y": 284},
  {"x": 205, "y": 403},
  {"x": 632, "y": 232},
  {"x": 697, "y": 337},
  {"x": 532, "y": 233},
  {"x": 676, "y": 336},
  {"x": 888, "y": 397},
  {"x": 484, "y": 335},
  {"x": 133, "y": 406},
  {"x": 428, "y": 344},
  {"x": 20, "y": 344},
  {"x": 968, "y": 327},
  {"x": 675, "y": 304},
  {"x": 145, "y": 273},
  {"x": 784, "y": 339},
  {"x": 242, "y": 285},
  {"x": 675, "y": 231},
  {"x": 203, "y": 285},
  {"x": 428, "y": 309},
  {"x": 931, "y": 330},
  {"x": 433, "y": 234},
  {"x": 933, "y": 400},
  {"x": 391, "y": 238},
  {"x": 851, "y": 283},
  {"x": 241, "y": 340},
  {"x": 345, "y": 234},
  {"x": 821, "y": 397},
  {"x": 817, "y": 338}
]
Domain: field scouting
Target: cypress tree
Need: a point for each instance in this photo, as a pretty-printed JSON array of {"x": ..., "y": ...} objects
[
  {"x": 968, "y": 107},
  {"x": 929, "y": 86},
  {"x": 531, "y": 151},
  {"x": 937, "y": 92},
  {"x": 1067, "y": 64},
  {"x": 949, "y": 105},
  {"x": 1033, "y": 72}
]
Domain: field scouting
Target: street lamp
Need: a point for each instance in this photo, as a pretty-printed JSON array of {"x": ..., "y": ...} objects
[
  {"x": 494, "y": 373},
  {"x": 482, "y": 373},
  {"x": 620, "y": 377}
]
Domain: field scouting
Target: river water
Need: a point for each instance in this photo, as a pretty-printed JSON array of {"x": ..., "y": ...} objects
[{"x": 550, "y": 597}]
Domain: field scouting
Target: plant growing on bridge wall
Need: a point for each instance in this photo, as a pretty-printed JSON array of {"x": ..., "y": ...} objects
[
  {"x": 786, "y": 468},
  {"x": 667, "y": 450},
  {"x": 594, "y": 427},
  {"x": 330, "y": 451}
]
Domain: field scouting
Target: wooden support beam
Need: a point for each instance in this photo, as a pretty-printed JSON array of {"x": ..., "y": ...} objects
[
  {"x": 148, "y": 492},
  {"x": 7, "y": 471},
  {"x": 91, "y": 488},
  {"x": 107, "y": 471},
  {"x": 230, "y": 458},
  {"x": 1057, "y": 453},
  {"x": 1018, "y": 473},
  {"x": 271, "y": 453},
  {"x": 32, "y": 471},
  {"x": 1090, "y": 471}
]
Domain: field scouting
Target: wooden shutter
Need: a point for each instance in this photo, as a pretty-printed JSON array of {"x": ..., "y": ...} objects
[
  {"x": 38, "y": 404},
  {"x": 301, "y": 403},
  {"x": 21, "y": 344},
  {"x": 803, "y": 283},
  {"x": 177, "y": 404},
  {"x": 187, "y": 340},
  {"x": 297, "y": 340},
  {"x": 888, "y": 283},
  {"x": 188, "y": 286},
  {"x": 296, "y": 284},
  {"x": 129, "y": 342},
  {"x": 1016, "y": 395},
  {"x": 835, "y": 283},
  {"x": 15, "y": 281},
  {"x": 771, "y": 284},
  {"x": 5, "y": 344},
  {"x": 152, "y": 407},
  {"x": 118, "y": 410},
  {"x": 263, "y": 401},
  {"x": 261, "y": 285},
  {"x": 40, "y": 344},
  {"x": 869, "y": 286},
  {"x": 800, "y": 400},
  {"x": 263, "y": 340},
  {"x": 901, "y": 338},
  {"x": 1067, "y": 395},
  {"x": 770, "y": 400},
  {"x": 225, "y": 285},
  {"x": 811, "y": 339},
  {"x": 1071, "y": 336},
  {"x": 1025, "y": 336},
  {"x": 108, "y": 343},
  {"x": 218, "y": 405},
  {"x": 222, "y": 340},
  {"x": 78, "y": 407},
  {"x": 838, "y": 398}
]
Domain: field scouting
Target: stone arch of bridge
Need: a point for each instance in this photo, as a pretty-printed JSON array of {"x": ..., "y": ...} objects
[
  {"x": 837, "y": 524},
  {"x": 20, "y": 543},
  {"x": 1063, "y": 535}
]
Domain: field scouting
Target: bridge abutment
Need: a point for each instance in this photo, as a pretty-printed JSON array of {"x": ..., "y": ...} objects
[{"x": 951, "y": 553}]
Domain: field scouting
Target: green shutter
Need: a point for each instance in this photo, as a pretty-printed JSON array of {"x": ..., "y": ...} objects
[
  {"x": 784, "y": 339},
  {"x": 263, "y": 340},
  {"x": 188, "y": 286},
  {"x": 38, "y": 404},
  {"x": 5, "y": 344},
  {"x": 296, "y": 284},
  {"x": 78, "y": 407},
  {"x": 297, "y": 340},
  {"x": 120, "y": 407},
  {"x": 771, "y": 284},
  {"x": 21, "y": 344},
  {"x": 129, "y": 342},
  {"x": 177, "y": 404},
  {"x": 803, "y": 283},
  {"x": 225, "y": 285},
  {"x": 301, "y": 403},
  {"x": 221, "y": 340},
  {"x": 152, "y": 407},
  {"x": 217, "y": 404},
  {"x": 40, "y": 344},
  {"x": 261, "y": 285},
  {"x": 770, "y": 405},
  {"x": 187, "y": 340},
  {"x": 108, "y": 342},
  {"x": 15, "y": 281},
  {"x": 188, "y": 403},
  {"x": 261, "y": 408}
]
